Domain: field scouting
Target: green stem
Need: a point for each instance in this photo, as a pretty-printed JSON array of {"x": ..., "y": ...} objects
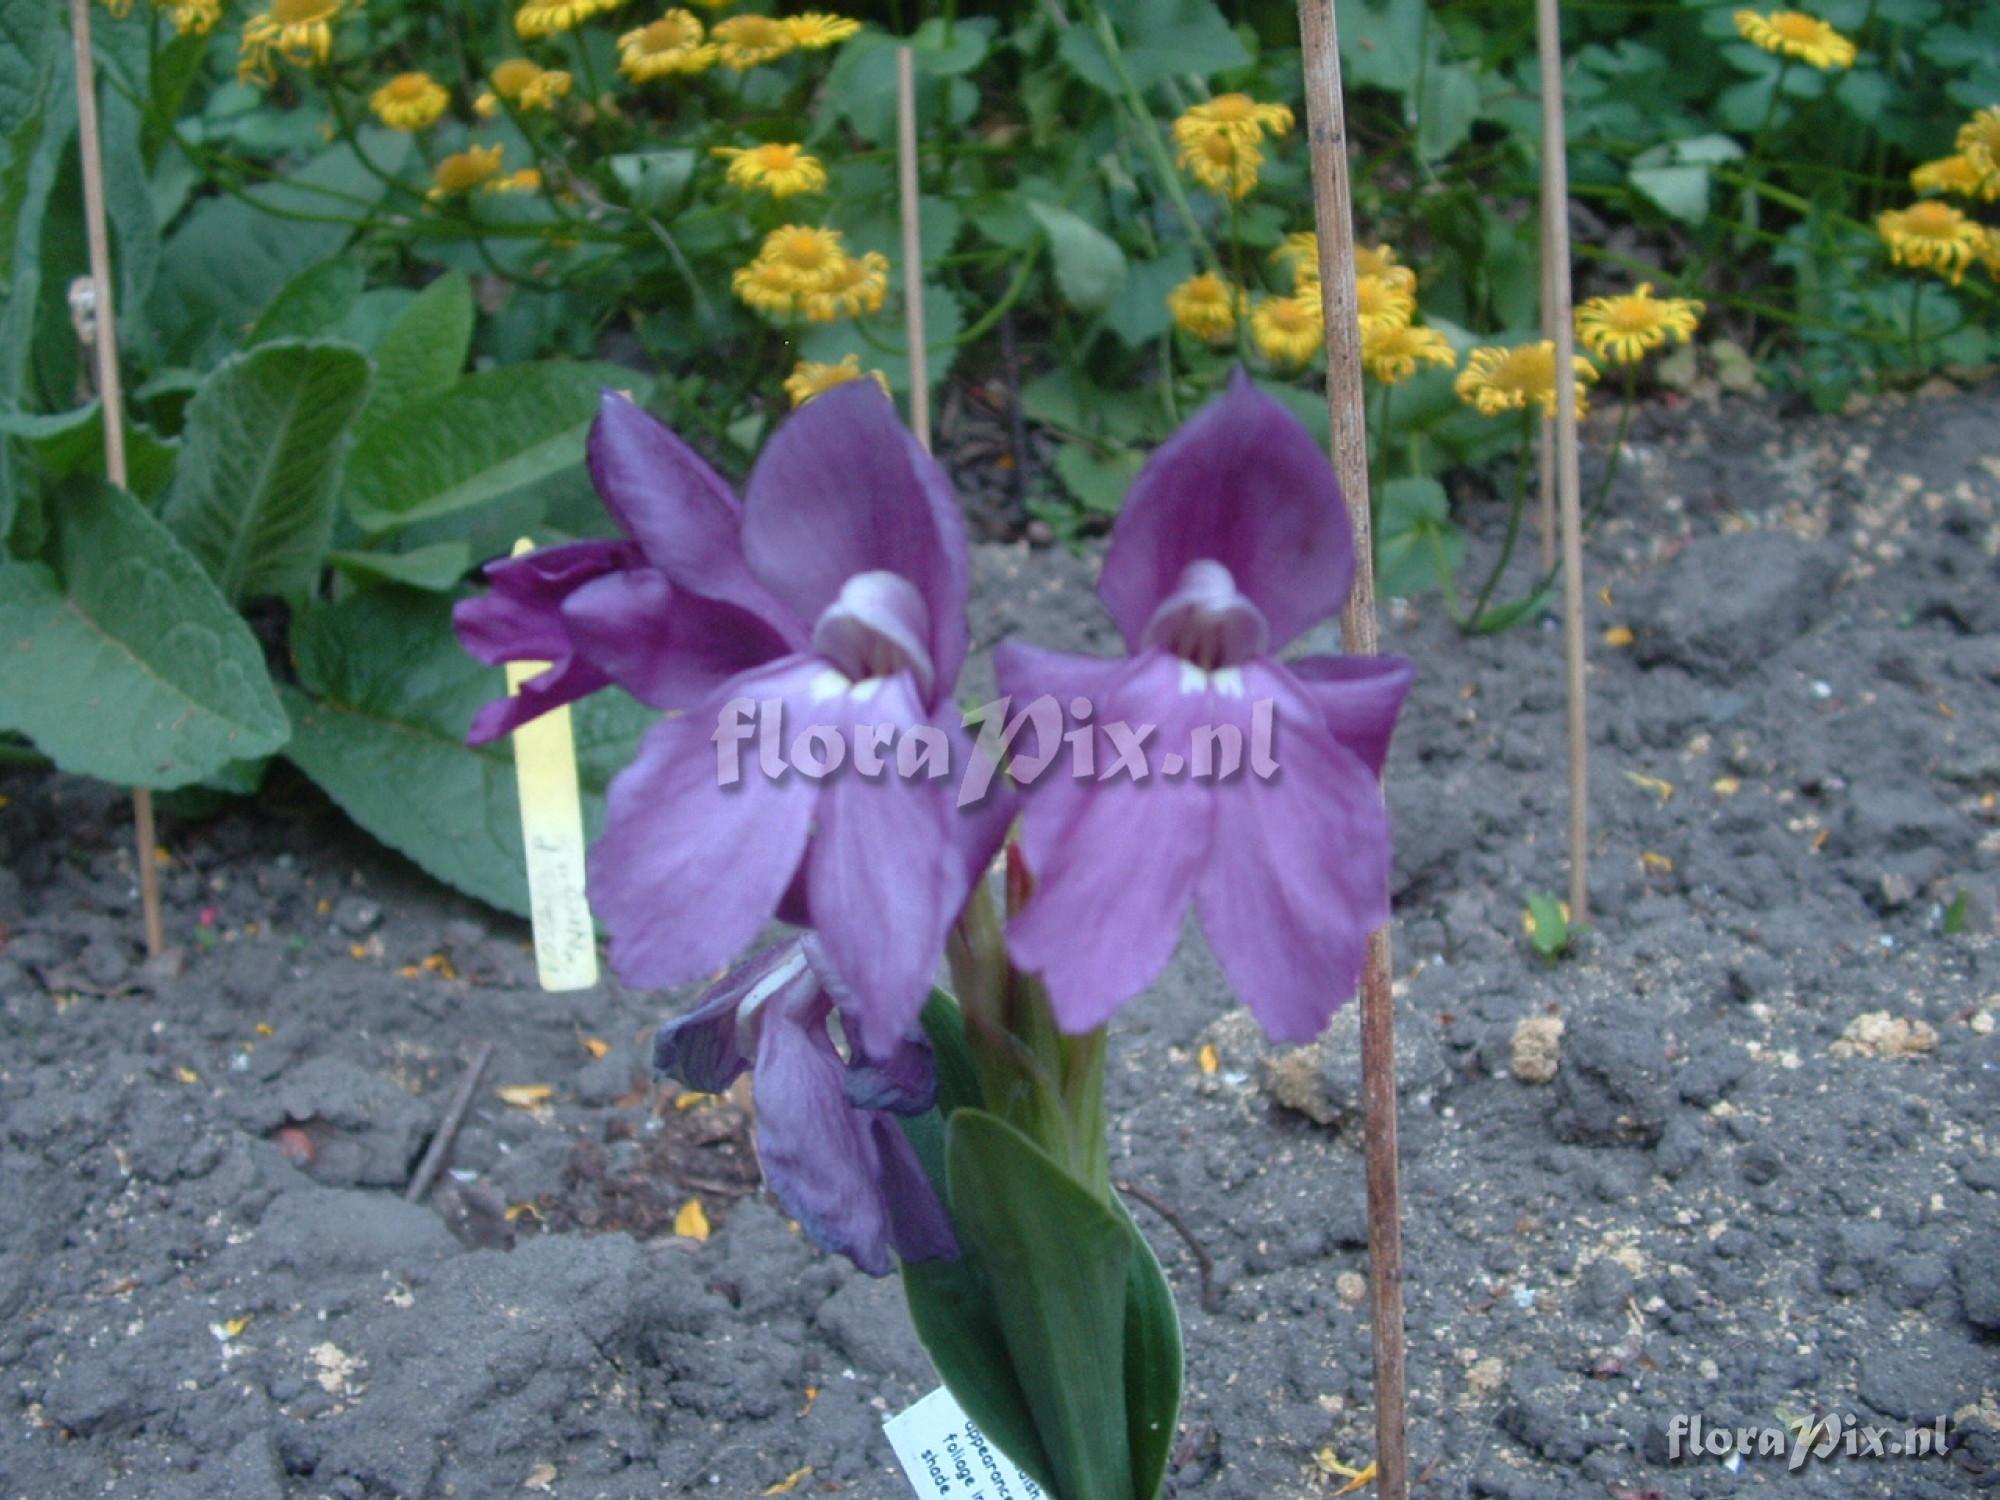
[
  {"x": 1603, "y": 495},
  {"x": 1513, "y": 521}
]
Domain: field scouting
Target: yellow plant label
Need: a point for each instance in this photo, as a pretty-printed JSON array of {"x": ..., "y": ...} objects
[{"x": 552, "y": 835}]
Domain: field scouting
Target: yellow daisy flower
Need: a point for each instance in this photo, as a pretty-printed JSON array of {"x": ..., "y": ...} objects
[
  {"x": 1623, "y": 330},
  {"x": 766, "y": 286},
  {"x": 670, "y": 47},
  {"x": 547, "y": 17},
  {"x": 1932, "y": 235},
  {"x": 1500, "y": 380},
  {"x": 1288, "y": 330},
  {"x": 525, "y": 84},
  {"x": 1221, "y": 163},
  {"x": 1991, "y": 253},
  {"x": 191, "y": 17},
  {"x": 1207, "y": 307},
  {"x": 462, "y": 171},
  {"x": 1380, "y": 260},
  {"x": 1793, "y": 33},
  {"x": 409, "y": 101},
  {"x": 809, "y": 254},
  {"x": 777, "y": 168},
  {"x": 1298, "y": 254},
  {"x": 1379, "y": 303},
  {"x": 1979, "y": 139},
  {"x": 856, "y": 287},
  {"x": 1235, "y": 115},
  {"x": 747, "y": 41},
  {"x": 1391, "y": 355},
  {"x": 808, "y": 380},
  {"x": 816, "y": 29},
  {"x": 299, "y": 31},
  {"x": 1958, "y": 174}
]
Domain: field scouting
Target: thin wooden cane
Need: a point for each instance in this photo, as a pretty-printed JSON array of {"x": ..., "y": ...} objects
[
  {"x": 913, "y": 254},
  {"x": 109, "y": 393},
  {"x": 1546, "y": 447},
  {"x": 1555, "y": 254},
  {"x": 1334, "y": 213}
]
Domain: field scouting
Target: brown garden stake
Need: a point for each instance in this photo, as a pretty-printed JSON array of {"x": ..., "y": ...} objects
[
  {"x": 105, "y": 340},
  {"x": 1555, "y": 262},
  {"x": 1334, "y": 213},
  {"x": 913, "y": 255}
]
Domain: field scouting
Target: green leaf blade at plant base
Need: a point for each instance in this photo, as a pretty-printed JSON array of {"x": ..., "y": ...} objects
[
  {"x": 379, "y": 719},
  {"x": 260, "y": 466},
  {"x": 423, "y": 351},
  {"x": 484, "y": 436},
  {"x": 1154, "y": 1363},
  {"x": 124, "y": 662},
  {"x": 1059, "y": 1261}
]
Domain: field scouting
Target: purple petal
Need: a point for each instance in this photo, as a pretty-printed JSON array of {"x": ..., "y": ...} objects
[
  {"x": 678, "y": 509},
  {"x": 519, "y": 618},
  {"x": 819, "y": 1154},
  {"x": 919, "y": 1227},
  {"x": 1358, "y": 697},
  {"x": 666, "y": 647},
  {"x": 1242, "y": 484},
  {"x": 703, "y": 1049},
  {"x": 688, "y": 870},
  {"x": 882, "y": 873},
  {"x": 1299, "y": 874},
  {"x": 842, "y": 488},
  {"x": 904, "y": 1082},
  {"x": 562, "y": 683},
  {"x": 1115, "y": 861}
]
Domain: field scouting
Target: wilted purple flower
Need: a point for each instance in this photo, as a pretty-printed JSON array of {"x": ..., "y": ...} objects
[
  {"x": 843, "y": 577},
  {"x": 1232, "y": 542},
  {"x": 666, "y": 615},
  {"x": 827, "y": 1137}
]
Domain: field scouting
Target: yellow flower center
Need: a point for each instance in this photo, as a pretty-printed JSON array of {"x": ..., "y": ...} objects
[
  {"x": 1794, "y": 26},
  {"x": 1231, "y": 108},
  {"x": 1632, "y": 314},
  {"x": 1932, "y": 221},
  {"x": 755, "y": 32},
  {"x": 514, "y": 75},
  {"x": 777, "y": 156},
  {"x": 1289, "y": 315},
  {"x": 407, "y": 88},
  {"x": 669, "y": 34},
  {"x": 303, "y": 12},
  {"x": 805, "y": 249}
]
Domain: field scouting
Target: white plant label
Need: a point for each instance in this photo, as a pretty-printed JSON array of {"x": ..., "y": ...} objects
[{"x": 947, "y": 1457}]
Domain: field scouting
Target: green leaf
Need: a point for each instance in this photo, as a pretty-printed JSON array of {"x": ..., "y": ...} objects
[
  {"x": 72, "y": 442},
  {"x": 233, "y": 255},
  {"x": 124, "y": 662},
  {"x": 654, "y": 180},
  {"x": 1680, "y": 191},
  {"x": 1090, "y": 268},
  {"x": 437, "y": 567},
  {"x": 1098, "y": 484},
  {"x": 379, "y": 720},
  {"x": 1548, "y": 925},
  {"x": 254, "y": 497},
  {"x": 313, "y": 303},
  {"x": 1416, "y": 545},
  {"x": 1380, "y": 42},
  {"x": 1154, "y": 1363},
  {"x": 1063, "y": 1259},
  {"x": 1450, "y": 105},
  {"x": 1139, "y": 315},
  {"x": 479, "y": 438},
  {"x": 1158, "y": 39},
  {"x": 423, "y": 351}
]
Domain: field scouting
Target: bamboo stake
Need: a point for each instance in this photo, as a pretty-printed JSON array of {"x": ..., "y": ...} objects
[
  {"x": 1546, "y": 453},
  {"x": 913, "y": 255},
  {"x": 1333, "y": 208},
  {"x": 105, "y": 341},
  {"x": 1555, "y": 256}
]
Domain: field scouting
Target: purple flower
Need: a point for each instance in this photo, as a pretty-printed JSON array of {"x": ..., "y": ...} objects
[
  {"x": 1233, "y": 541},
  {"x": 848, "y": 551},
  {"x": 826, "y": 1132},
  {"x": 667, "y": 615}
]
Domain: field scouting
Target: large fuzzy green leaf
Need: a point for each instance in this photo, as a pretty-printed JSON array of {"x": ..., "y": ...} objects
[
  {"x": 1090, "y": 268},
  {"x": 485, "y": 436},
  {"x": 379, "y": 719},
  {"x": 123, "y": 661},
  {"x": 260, "y": 465},
  {"x": 72, "y": 442},
  {"x": 1158, "y": 40},
  {"x": 423, "y": 351}
]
